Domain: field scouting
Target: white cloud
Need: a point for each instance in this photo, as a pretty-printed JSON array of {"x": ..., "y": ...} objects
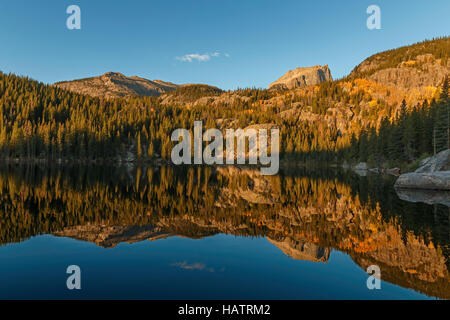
[
  {"x": 200, "y": 57},
  {"x": 194, "y": 56},
  {"x": 194, "y": 266}
]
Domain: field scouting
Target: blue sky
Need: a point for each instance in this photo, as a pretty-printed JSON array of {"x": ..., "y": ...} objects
[{"x": 249, "y": 43}]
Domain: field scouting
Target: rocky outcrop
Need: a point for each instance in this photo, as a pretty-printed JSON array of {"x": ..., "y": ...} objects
[
  {"x": 116, "y": 85},
  {"x": 423, "y": 64},
  {"x": 422, "y": 71},
  {"x": 302, "y": 77},
  {"x": 433, "y": 175},
  {"x": 440, "y": 162}
]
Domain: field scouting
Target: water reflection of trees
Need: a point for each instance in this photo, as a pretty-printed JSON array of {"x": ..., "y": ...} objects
[{"x": 359, "y": 215}]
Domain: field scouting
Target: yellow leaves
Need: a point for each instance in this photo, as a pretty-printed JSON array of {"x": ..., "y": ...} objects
[
  {"x": 410, "y": 63},
  {"x": 430, "y": 91},
  {"x": 373, "y": 227},
  {"x": 373, "y": 103}
]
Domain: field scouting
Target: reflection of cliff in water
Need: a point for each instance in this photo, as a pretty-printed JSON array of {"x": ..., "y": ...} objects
[
  {"x": 305, "y": 214},
  {"x": 110, "y": 236},
  {"x": 303, "y": 250}
]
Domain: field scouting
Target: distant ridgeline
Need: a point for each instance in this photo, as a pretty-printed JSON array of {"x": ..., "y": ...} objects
[{"x": 392, "y": 109}]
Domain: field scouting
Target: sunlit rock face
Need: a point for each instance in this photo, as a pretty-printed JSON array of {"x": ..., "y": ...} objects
[
  {"x": 116, "y": 85},
  {"x": 421, "y": 71},
  {"x": 303, "y": 76}
]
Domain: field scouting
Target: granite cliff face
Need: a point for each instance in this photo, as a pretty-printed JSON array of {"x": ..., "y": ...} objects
[
  {"x": 422, "y": 71},
  {"x": 420, "y": 65},
  {"x": 303, "y": 76},
  {"x": 116, "y": 85}
]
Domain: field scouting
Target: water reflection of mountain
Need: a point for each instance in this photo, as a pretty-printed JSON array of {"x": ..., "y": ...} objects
[
  {"x": 110, "y": 236},
  {"x": 305, "y": 214}
]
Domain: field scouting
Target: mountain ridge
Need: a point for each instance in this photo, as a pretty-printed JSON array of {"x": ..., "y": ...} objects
[
  {"x": 303, "y": 76},
  {"x": 419, "y": 65},
  {"x": 117, "y": 85},
  {"x": 331, "y": 121}
]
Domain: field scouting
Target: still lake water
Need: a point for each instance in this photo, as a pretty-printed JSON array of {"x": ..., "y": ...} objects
[{"x": 225, "y": 233}]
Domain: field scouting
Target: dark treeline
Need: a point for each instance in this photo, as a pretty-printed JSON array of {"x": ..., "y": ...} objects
[{"x": 195, "y": 91}]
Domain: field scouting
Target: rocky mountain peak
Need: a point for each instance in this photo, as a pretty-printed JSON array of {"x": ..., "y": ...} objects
[
  {"x": 114, "y": 74},
  {"x": 116, "y": 85},
  {"x": 303, "y": 76}
]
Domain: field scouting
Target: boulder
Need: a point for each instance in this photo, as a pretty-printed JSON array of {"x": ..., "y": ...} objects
[
  {"x": 433, "y": 175},
  {"x": 424, "y": 162},
  {"x": 440, "y": 162}
]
